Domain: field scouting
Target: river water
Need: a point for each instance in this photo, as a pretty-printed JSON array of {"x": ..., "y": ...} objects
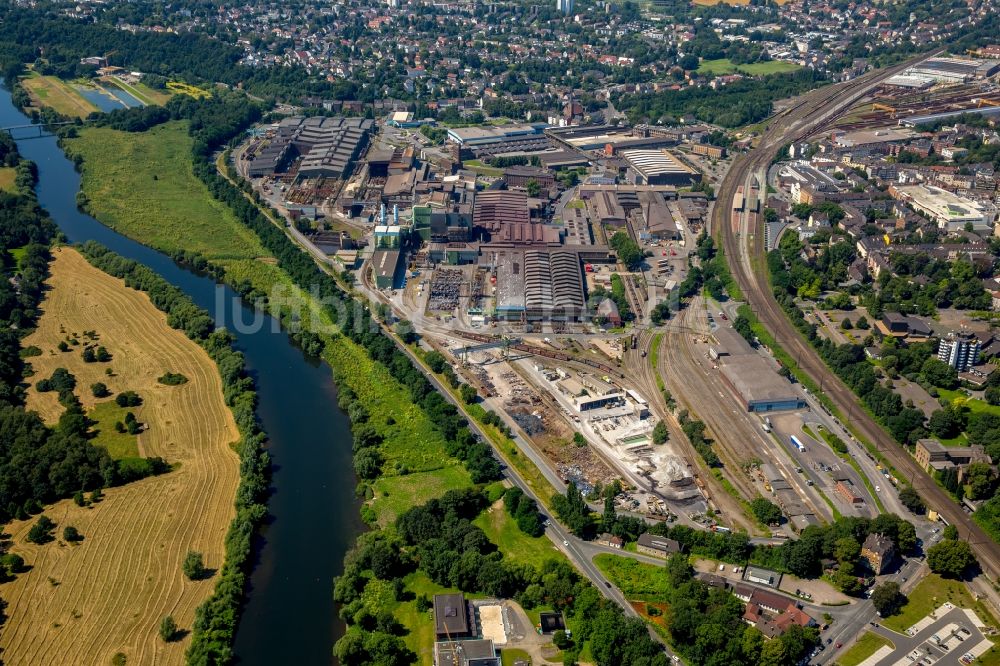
[{"x": 289, "y": 616}]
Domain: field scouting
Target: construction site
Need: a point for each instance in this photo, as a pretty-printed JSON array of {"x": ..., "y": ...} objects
[{"x": 582, "y": 416}]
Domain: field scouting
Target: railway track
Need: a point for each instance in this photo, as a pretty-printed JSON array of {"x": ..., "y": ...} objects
[
  {"x": 732, "y": 433},
  {"x": 697, "y": 396},
  {"x": 799, "y": 122},
  {"x": 642, "y": 373}
]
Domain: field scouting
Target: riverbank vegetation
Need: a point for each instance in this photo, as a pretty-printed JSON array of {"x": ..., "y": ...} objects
[
  {"x": 215, "y": 620},
  {"x": 375, "y": 377},
  {"x": 141, "y": 184},
  {"x": 184, "y": 476}
]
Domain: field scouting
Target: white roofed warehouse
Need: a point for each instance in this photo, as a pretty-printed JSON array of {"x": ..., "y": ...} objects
[{"x": 658, "y": 167}]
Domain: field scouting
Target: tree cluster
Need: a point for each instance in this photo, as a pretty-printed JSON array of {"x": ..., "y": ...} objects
[
  {"x": 734, "y": 105},
  {"x": 766, "y": 511},
  {"x": 439, "y": 539},
  {"x": 711, "y": 273},
  {"x": 706, "y": 624},
  {"x": 628, "y": 251},
  {"x": 695, "y": 431},
  {"x": 524, "y": 511}
]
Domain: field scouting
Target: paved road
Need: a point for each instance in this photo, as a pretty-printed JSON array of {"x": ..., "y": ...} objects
[
  {"x": 745, "y": 253},
  {"x": 576, "y": 550},
  {"x": 569, "y": 544},
  {"x": 848, "y": 627}
]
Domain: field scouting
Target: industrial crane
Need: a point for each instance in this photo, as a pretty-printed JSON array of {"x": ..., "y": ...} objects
[{"x": 884, "y": 107}]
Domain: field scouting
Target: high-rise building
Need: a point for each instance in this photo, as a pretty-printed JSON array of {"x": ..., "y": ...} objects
[
  {"x": 565, "y": 6},
  {"x": 959, "y": 350}
]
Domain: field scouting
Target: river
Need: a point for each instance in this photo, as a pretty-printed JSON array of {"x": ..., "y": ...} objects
[{"x": 289, "y": 616}]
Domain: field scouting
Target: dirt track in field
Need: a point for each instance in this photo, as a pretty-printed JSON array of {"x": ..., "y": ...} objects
[{"x": 82, "y": 604}]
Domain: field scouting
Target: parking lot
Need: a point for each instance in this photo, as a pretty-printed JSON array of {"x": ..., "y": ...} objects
[{"x": 950, "y": 635}]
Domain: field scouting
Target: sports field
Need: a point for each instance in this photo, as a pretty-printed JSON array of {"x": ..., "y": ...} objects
[
  {"x": 725, "y": 66},
  {"x": 58, "y": 95},
  {"x": 142, "y": 184},
  {"x": 84, "y": 603}
]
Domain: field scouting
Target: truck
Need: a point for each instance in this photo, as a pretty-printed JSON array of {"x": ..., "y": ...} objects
[
  {"x": 766, "y": 425},
  {"x": 798, "y": 444}
]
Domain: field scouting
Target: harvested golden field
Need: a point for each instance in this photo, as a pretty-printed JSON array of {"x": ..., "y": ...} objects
[{"x": 82, "y": 604}]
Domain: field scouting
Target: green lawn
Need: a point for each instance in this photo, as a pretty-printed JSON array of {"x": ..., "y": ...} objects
[
  {"x": 636, "y": 580},
  {"x": 972, "y": 404},
  {"x": 866, "y": 646},
  {"x": 932, "y": 592},
  {"x": 142, "y": 184},
  {"x": 510, "y": 655},
  {"x": 719, "y": 66},
  {"x": 960, "y": 440},
  {"x": 654, "y": 360},
  {"x": 482, "y": 169},
  {"x": 18, "y": 253},
  {"x": 118, "y": 445},
  {"x": 396, "y": 494},
  {"x": 725, "y": 66},
  {"x": 515, "y": 544},
  {"x": 772, "y": 67},
  {"x": 420, "y": 625}
]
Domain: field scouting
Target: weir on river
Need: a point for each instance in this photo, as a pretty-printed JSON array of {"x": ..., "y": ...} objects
[{"x": 289, "y": 616}]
